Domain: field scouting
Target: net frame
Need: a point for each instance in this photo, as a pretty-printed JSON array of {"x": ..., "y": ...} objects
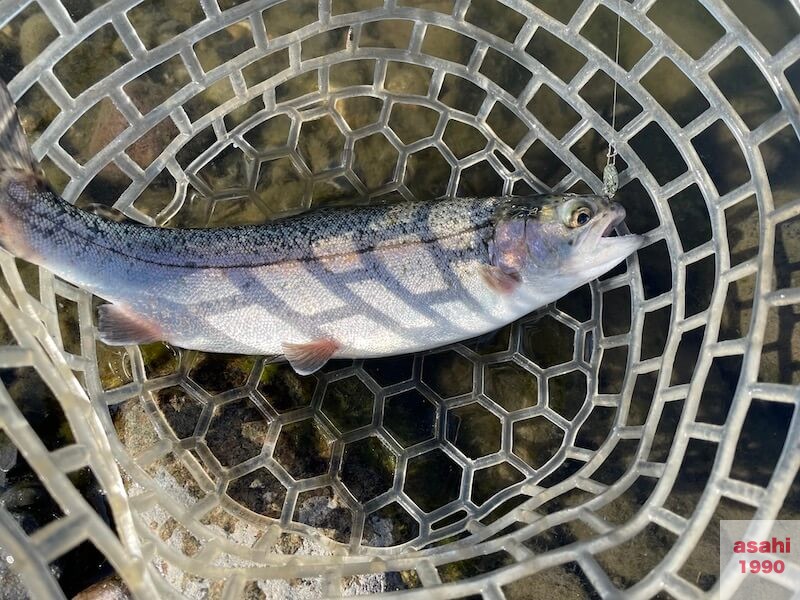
[{"x": 131, "y": 551}]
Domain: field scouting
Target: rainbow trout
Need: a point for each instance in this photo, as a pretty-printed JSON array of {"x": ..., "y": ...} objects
[{"x": 338, "y": 282}]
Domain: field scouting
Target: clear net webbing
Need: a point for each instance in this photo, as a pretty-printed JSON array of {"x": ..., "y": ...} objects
[{"x": 589, "y": 450}]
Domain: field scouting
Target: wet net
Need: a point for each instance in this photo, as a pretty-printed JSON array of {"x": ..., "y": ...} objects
[{"x": 589, "y": 450}]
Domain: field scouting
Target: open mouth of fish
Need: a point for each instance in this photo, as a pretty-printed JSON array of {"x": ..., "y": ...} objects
[
  {"x": 601, "y": 235},
  {"x": 616, "y": 219}
]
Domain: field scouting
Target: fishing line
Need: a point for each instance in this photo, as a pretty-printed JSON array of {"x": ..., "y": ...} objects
[{"x": 610, "y": 175}]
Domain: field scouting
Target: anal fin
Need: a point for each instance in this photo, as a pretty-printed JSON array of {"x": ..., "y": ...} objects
[
  {"x": 120, "y": 326},
  {"x": 308, "y": 357}
]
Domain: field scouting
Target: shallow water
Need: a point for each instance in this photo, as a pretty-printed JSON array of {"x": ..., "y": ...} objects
[{"x": 455, "y": 398}]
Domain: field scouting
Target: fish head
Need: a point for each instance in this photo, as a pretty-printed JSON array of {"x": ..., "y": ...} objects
[{"x": 571, "y": 236}]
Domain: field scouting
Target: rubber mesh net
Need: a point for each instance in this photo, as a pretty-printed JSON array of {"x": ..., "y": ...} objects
[{"x": 589, "y": 450}]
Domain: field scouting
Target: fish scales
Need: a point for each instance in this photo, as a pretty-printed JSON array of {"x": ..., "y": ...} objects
[
  {"x": 355, "y": 282},
  {"x": 324, "y": 233},
  {"x": 341, "y": 273}
]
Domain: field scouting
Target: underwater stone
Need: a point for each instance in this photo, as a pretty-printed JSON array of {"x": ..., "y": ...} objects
[
  {"x": 112, "y": 588},
  {"x": 11, "y": 585},
  {"x": 8, "y": 457},
  {"x": 35, "y": 35}
]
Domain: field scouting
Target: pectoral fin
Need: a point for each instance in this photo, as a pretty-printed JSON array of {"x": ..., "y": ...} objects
[
  {"x": 500, "y": 281},
  {"x": 309, "y": 357},
  {"x": 120, "y": 326}
]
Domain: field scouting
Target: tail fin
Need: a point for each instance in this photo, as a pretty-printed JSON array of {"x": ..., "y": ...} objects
[
  {"x": 16, "y": 165},
  {"x": 15, "y": 153}
]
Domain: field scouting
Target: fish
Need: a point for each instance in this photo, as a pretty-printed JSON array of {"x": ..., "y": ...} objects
[{"x": 354, "y": 282}]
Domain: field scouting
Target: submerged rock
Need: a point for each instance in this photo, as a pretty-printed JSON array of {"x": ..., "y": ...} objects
[
  {"x": 112, "y": 588},
  {"x": 8, "y": 457},
  {"x": 35, "y": 35}
]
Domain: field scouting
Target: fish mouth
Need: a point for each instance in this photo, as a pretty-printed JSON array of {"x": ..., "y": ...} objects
[
  {"x": 602, "y": 235},
  {"x": 600, "y": 247},
  {"x": 614, "y": 217},
  {"x": 604, "y": 225}
]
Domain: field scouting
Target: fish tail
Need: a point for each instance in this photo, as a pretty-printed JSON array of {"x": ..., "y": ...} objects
[
  {"x": 20, "y": 182},
  {"x": 15, "y": 153}
]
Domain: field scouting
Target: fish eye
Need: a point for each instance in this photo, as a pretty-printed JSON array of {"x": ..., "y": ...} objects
[{"x": 580, "y": 217}]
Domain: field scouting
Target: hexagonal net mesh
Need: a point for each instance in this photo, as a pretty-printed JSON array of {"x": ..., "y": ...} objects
[{"x": 589, "y": 450}]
